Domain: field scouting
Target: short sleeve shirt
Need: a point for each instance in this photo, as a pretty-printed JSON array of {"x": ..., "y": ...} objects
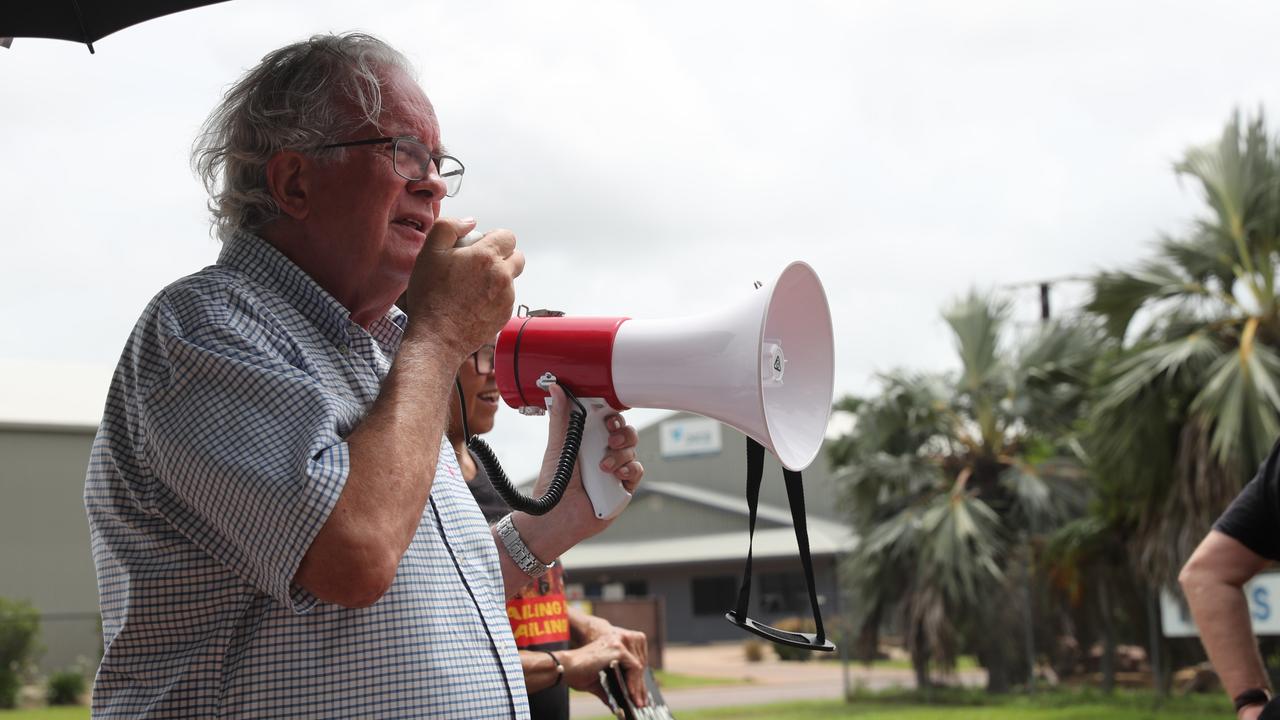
[
  {"x": 221, "y": 453},
  {"x": 1253, "y": 517}
]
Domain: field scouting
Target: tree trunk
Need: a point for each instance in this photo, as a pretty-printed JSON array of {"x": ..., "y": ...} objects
[
  {"x": 920, "y": 661},
  {"x": 1158, "y": 675},
  {"x": 867, "y": 647},
  {"x": 1108, "y": 640},
  {"x": 997, "y": 664}
]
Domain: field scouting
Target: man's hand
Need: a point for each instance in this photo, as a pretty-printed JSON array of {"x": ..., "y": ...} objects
[
  {"x": 463, "y": 296},
  {"x": 586, "y": 629},
  {"x": 575, "y": 509},
  {"x": 573, "y": 519},
  {"x": 582, "y": 667}
]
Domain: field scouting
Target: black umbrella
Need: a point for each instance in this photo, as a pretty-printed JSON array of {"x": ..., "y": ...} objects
[{"x": 83, "y": 21}]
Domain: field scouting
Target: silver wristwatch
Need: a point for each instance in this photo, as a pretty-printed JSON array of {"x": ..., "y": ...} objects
[{"x": 519, "y": 552}]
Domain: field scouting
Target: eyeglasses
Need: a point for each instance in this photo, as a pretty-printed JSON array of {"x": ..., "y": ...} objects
[
  {"x": 412, "y": 160},
  {"x": 483, "y": 359}
]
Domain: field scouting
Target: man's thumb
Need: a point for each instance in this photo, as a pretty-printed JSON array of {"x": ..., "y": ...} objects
[{"x": 446, "y": 231}]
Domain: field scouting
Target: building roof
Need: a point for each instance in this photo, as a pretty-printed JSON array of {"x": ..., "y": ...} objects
[{"x": 824, "y": 539}]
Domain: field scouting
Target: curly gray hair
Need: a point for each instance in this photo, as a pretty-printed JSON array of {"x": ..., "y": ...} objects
[{"x": 298, "y": 97}]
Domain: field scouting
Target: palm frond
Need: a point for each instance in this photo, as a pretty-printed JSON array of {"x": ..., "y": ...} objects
[
  {"x": 1117, "y": 296},
  {"x": 1165, "y": 363},
  {"x": 1243, "y": 401},
  {"x": 976, "y": 322}
]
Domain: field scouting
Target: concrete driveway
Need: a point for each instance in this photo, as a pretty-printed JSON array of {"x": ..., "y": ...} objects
[{"x": 768, "y": 681}]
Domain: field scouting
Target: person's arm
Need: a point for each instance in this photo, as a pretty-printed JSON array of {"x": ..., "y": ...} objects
[
  {"x": 573, "y": 519},
  {"x": 583, "y": 664},
  {"x": 353, "y": 559},
  {"x": 595, "y": 637},
  {"x": 458, "y": 298},
  {"x": 1213, "y": 581},
  {"x": 540, "y": 671}
]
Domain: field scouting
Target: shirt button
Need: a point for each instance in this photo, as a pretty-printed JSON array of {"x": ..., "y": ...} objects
[{"x": 344, "y": 349}]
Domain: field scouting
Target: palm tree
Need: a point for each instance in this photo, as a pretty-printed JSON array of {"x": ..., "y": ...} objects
[
  {"x": 949, "y": 479},
  {"x": 1191, "y": 402}
]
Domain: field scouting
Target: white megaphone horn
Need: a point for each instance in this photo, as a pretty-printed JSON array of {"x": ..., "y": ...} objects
[{"x": 764, "y": 365}]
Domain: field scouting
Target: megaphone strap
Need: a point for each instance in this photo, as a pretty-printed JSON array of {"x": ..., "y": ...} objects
[{"x": 795, "y": 498}]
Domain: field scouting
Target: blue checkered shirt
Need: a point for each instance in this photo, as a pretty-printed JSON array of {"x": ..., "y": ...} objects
[{"x": 221, "y": 453}]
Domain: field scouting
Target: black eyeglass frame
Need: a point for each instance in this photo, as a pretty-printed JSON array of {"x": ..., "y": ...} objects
[
  {"x": 395, "y": 150},
  {"x": 475, "y": 358}
]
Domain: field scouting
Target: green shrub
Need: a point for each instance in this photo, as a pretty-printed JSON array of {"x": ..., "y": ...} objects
[
  {"x": 796, "y": 625},
  {"x": 753, "y": 650},
  {"x": 19, "y": 630},
  {"x": 65, "y": 688}
]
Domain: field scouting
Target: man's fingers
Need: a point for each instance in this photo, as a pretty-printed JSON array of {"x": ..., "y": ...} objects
[
  {"x": 445, "y": 232},
  {"x": 635, "y": 678},
  {"x": 638, "y": 643},
  {"x": 598, "y": 690},
  {"x": 516, "y": 261},
  {"x": 629, "y": 475},
  {"x": 503, "y": 242},
  {"x": 625, "y": 436}
]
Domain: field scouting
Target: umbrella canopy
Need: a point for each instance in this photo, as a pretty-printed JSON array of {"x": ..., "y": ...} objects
[{"x": 83, "y": 21}]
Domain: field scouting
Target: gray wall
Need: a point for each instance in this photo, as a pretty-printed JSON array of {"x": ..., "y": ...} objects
[
  {"x": 650, "y": 515},
  {"x": 44, "y": 538},
  {"x": 725, "y": 472},
  {"x": 675, "y": 585}
]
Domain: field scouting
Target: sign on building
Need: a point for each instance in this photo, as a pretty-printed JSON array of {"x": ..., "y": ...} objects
[
  {"x": 685, "y": 437},
  {"x": 1262, "y": 592}
]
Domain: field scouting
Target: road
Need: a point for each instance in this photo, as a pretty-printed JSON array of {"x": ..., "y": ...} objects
[{"x": 767, "y": 681}]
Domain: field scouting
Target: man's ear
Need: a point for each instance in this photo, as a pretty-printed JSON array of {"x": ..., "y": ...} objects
[{"x": 288, "y": 181}]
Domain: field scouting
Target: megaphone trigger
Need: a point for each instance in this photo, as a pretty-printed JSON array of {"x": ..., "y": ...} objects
[{"x": 608, "y": 497}]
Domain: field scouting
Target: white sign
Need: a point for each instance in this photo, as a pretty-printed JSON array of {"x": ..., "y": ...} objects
[
  {"x": 1262, "y": 592},
  {"x": 689, "y": 436}
]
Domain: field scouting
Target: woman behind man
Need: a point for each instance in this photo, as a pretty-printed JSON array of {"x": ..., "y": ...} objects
[{"x": 560, "y": 647}]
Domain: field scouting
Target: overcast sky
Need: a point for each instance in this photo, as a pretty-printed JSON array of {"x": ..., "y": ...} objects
[{"x": 654, "y": 158}]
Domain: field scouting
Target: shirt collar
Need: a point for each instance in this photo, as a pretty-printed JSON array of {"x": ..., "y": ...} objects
[{"x": 263, "y": 263}]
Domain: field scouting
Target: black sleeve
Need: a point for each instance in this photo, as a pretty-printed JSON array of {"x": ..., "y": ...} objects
[{"x": 1253, "y": 518}]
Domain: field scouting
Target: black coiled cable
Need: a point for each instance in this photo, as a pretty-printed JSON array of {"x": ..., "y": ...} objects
[{"x": 564, "y": 467}]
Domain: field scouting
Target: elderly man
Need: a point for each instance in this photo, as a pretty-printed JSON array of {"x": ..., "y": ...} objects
[{"x": 278, "y": 529}]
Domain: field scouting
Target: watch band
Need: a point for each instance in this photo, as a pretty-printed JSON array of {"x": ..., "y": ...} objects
[
  {"x": 1252, "y": 696},
  {"x": 559, "y": 668},
  {"x": 520, "y": 554}
]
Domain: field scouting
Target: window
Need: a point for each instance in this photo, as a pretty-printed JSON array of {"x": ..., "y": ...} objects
[
  {"x": 637, "y": 588},
  {"x": 783, "y": 593},
  {"x": 714, "y": 595}
]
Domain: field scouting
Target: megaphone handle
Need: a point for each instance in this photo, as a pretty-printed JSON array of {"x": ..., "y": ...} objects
[{"x": 608, "y": 497}]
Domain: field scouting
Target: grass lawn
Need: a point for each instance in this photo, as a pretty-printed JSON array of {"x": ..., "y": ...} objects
[
  {"x": 58, "y": 713},
  {"x": 1057, "y": 705},
  {"x": 676, "y": 681},
  {"x": 834, "y": 709},
  {"x": 964, "y": 662}
]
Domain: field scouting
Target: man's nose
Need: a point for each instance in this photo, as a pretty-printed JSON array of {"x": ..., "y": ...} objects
[{"x": 432, "y": 183}]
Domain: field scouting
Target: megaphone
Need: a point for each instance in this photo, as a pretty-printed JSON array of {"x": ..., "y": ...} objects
[{"x": 763, "y": 365}]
